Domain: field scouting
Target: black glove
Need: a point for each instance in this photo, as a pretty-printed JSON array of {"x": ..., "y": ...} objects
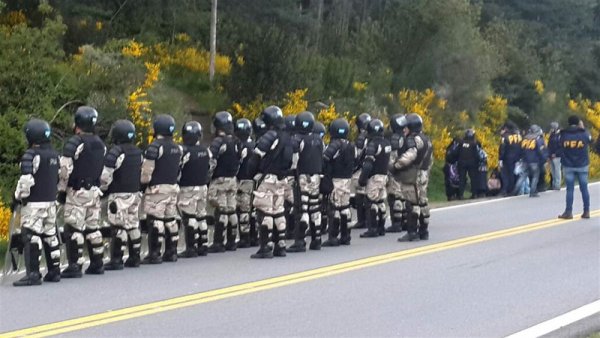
[
  {"x": 326, "y": 186},
  {"x": 143, "y": 187},
  {"x": 104, "y": 194},
  {"x": 362, "y": 180},
  {"x": 112, "y": 207},
  {"x": 61, "y": 198},
  {"x": 15, "y": 203},
  {"x": 106, "y": 232}
]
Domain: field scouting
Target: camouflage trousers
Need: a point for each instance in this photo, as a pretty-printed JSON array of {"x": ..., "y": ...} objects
[
  {"x": 123, "y": 216},
  {"x": 160, "y": 206},
  {"x": 82, "y": 218},
  {"x": 222, "y": 194},
  {"x": 422, "y": 185},
  {"x": 376, "y": 193},
  {"x": 396, "y": 200},
  {"x": 340, "y": 197},
  {"x": 39, "y": 219},
  {"x": 310, "y": 203},
  {"x": 268, "y": 201},
  {"x": 191, "y": 203},
  {"x": 357, "y": 188},
  {"x": 244, "y": 204}
]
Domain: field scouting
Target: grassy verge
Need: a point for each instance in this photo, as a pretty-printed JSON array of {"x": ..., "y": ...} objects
[{"x": 3, "y": 245}]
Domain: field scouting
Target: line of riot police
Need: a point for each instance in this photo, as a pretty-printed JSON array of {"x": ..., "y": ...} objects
[{"x": 283, "y": 183}]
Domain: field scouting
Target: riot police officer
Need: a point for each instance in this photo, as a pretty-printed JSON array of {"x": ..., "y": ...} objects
[
  {"x": 223, "y": 186},
  {"x": 259, "y": 127},
  {"x": 423, "y": 183},
  {"x": 373, "y": 178},
  {"x": 291, "y": 206},
  {"x": 339, "y": 159},
  {"x": 36, "y": 191},
  {"x": 193, "y": 189},
  {"x": 160, "y": 170},
  {"x": 394, "y": 191},
  {"x": 406, "y": 169},
  {"x": 362, "y": 121},
  {"x": 120, "y": 179},
  {"x": 273, "y": 157},
  {"x": 79, "y": 179},
  {"x": 243, "y": 131},
  {"x": 308, "y": 171}
]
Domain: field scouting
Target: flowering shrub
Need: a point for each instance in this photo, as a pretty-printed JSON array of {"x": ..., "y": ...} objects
[{"x": 5, "y": 216}]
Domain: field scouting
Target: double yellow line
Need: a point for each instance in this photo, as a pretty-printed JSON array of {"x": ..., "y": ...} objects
[{"x": 266, "y": 284}]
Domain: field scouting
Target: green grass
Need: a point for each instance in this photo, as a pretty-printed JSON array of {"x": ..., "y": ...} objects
[
  {"x": 3, "y": 245},
  {"x": 436, "y": 191}
]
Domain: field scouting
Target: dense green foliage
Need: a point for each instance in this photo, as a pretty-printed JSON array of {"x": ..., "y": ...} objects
[{"x": 353, "y": 52}]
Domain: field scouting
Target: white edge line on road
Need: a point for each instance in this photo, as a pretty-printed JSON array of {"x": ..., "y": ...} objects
[
  {"x": 497, "y": 199},
  {"x": 559, "y": 322}
]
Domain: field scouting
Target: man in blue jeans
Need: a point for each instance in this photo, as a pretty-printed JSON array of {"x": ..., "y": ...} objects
[{"x": 574, "y": 143}]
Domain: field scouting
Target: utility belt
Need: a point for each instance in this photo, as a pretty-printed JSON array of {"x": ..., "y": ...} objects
[{"x": 78, "y": 184}]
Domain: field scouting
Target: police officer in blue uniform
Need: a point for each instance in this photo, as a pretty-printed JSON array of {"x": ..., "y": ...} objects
[
  {"x": 574, "y": 142},
  {"x": 509, "y": 153}
]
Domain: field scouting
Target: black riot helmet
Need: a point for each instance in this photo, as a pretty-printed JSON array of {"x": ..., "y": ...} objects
[
  {"x": 362, "y": 121},
  {"x": 339, "y": 128},
  {"x": 223, "y": 121},
  {"x": 37, "y": 132},
  {"x": 122, "y": 131},
  {"x": 414, "y": 123},
  {"x": 164, "y": 125},
  {"x": 86, "y": 118},
  {"x": 243, "y": 129},
  {"x": 397, "y": 123},
  {"x": 272, "y": 116},
  {"x": 259, "y": 127},
  {"x": 319, "y": 128},
  {"x": 375, "y": 128},
  {"x": 191, "y": 133},
  {"x": 305, "y": 122},
  {"x": 290, "y": 123}
]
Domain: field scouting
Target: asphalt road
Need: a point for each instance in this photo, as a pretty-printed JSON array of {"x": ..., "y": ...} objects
[{"x": 490, "y": 287}]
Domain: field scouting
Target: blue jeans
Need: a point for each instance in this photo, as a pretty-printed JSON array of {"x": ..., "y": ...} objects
[
  {"x": 555, "y": 170},
  {"x": 581, "y": 173}
]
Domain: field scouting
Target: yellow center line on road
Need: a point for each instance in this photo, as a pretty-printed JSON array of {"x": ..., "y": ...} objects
[{"x": 269, "y": 283}]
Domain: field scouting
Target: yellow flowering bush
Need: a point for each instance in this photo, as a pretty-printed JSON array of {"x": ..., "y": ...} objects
[
  {"x": 539, "y": 86},
  {"x": 590, "y": 113},
  {"x": 251, "y": 110},
  {"x": 134, "y": 49},
  {"x": 139, "y": 108},
  {"x": 5, "y": 216},
  {"x": 294, "y": 102},
  {"x": 359, "y": 86}
]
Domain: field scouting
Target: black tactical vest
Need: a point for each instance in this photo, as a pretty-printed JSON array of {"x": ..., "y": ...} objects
[
  {"x": 278, "y": 161},
  {"x": 343, "y": 165},
  {"x": 195, "y": 171},
  {"x": 166, "y": 167},
  {"x": 228, "y": 163},
  {"x": 88, "y": 166},
  {"x": 46, "y": 177},
  {"x": 243, "y": 173},
  {"x": 382, "y": 160},
  {"x": 127, "y": 177},
  {"x": 361, "y": 147},
  {"x": 427, "y": 158},
  {"x": 310, "y": 160}
]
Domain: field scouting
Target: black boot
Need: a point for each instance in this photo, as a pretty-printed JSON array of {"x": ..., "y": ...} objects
[
  {"x": 396, "y": 225},
  {"x": 361, "y": 212},
  {"x": 116, "y": 259},
  {"x": 371, "y": 218},
  {"x": 53, "y": 264},
  {"x": 253, "y": 232},
  {"x": 96, "y": 266},
  {"x": 264, "y": 251},
  {"x": 133, "y": 261},
  {"x": 278, "y": 237},
  {"x": 411, "y": 234},
  {"x": 345, "y": 237},
  {"x": 423, "y": 228},
  {"x": 74, "y": 269},
  {"x": 299, "y": 242},
  {"x": 31, "y": 253},
  {"x": 333, "y": 233},
  {"x": 202, "y": 243},
  {"x": 170, "y": 254},
  {"x": 191, "y": 250},
  {"x": 381, "y": 223},
  {"x": 231, "y": 237},
  {"x": 315, "y": 237},
  {"x": 154, "y": 256},
  {"x": 290, "y": 221},
  {"x": 244, "y": 240},
  {"x": 325, "y": 214},
  {"x": 218, "y": 239}
]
